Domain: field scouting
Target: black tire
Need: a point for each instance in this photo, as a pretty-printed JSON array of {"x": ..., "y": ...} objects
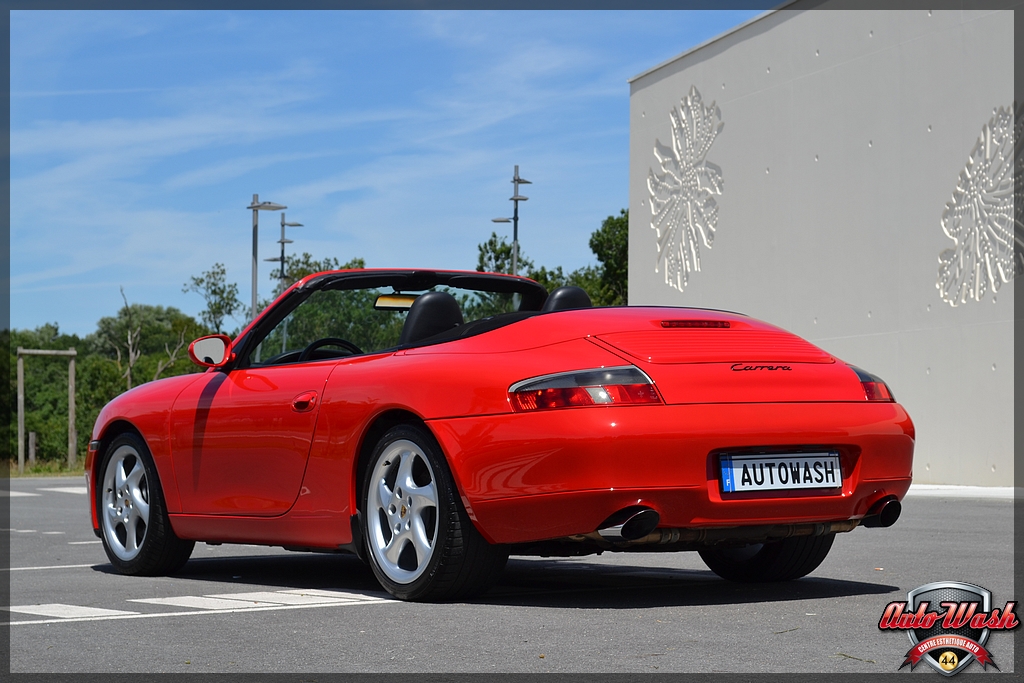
[
  {"x": 134, "y": 526},
  {"x": 420, "y": 542},
  {"x": 783, "y": 560}
]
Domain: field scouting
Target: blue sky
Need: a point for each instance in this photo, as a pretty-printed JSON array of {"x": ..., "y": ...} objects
[{"x": 138, "y": 139}]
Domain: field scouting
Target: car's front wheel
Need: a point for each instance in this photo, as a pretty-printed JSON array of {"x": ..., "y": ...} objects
[
  {"x": 420, "y": 542},
  {"x": 783, "y": 560},
  {"x": 134, "y": 526}
]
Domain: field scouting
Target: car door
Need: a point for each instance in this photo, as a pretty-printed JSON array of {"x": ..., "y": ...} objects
[{"x": 240, "y": 439}]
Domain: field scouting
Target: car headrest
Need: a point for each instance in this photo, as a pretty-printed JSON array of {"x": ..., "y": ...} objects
[
  {"x": 431, "y": 313},
  {"x": 565, "y": 299}
]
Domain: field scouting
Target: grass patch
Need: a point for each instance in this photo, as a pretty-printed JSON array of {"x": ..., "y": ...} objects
[{"x": 47, "y": 468}]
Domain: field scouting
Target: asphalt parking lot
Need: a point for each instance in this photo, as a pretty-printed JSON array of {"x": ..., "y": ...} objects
[{"x": 263, "y": 610}]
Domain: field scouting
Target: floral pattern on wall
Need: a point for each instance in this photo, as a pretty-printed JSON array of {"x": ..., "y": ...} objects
[
  {"x": 684, "y": 212},
  {"x": 987, "y": 234}
]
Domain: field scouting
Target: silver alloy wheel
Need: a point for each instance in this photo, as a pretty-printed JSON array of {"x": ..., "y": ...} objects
[
  {"x": 124, "y": 508},
  {"x": 402, "y": 514}
]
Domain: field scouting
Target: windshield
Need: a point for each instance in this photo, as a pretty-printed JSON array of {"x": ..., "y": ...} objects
[{"x": 333, "y": 323}]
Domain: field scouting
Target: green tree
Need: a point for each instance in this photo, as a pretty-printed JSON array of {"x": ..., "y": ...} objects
[
  {"x": 6, "y": 397},
  {"x": 221, "y": 297},
  {"x": 158, "y": 335},
  {"x": 145, "y": 342},
  {"x": 348, "y": 314},
  {"x": 588, "y": 278},
  {"x": 605, "y": 283},
  {"x": 610, "y": 244},
  {"x": 298, "y": 267},
  {"x": 46, "y": 392},
  {"x": 495, "y": 256}
]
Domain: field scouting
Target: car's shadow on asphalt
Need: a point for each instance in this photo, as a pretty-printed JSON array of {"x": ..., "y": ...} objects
[
  {"x": 525, "y": 582},
  {"x": 294, "y": 570},
  {"x": 550, "y": 583}
]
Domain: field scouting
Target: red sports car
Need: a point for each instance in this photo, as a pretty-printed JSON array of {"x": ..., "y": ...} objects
[{"x": 433, "y": 422}]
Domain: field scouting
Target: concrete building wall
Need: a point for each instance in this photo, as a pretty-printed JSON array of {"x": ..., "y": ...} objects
[{"x": 823, "y": 196}]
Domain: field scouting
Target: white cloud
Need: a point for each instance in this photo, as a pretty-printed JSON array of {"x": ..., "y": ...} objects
[{"x": 138, "y": 138}]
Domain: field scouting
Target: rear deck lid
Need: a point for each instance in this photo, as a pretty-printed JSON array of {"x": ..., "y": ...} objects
[
  {"x": 729, "y": 359},
  {"x": 714, "y": 340}
]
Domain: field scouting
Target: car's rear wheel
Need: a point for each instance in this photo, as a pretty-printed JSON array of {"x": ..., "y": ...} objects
[
  {"x": 782, "y": 560},
  {"x": 134, "y": 526},
  {"x": 420, "y": 542}
]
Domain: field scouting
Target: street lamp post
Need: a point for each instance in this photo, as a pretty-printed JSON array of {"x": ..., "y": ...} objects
[
  {"x": 283, "y": 241},
  {"x": 282, "y": 276},
  {"x": 515, "y": 199},
  {"x": 256, "y": 207}
]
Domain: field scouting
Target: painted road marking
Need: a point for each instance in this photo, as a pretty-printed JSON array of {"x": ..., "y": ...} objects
[
  {"x": 83, "y": 542},
  {"x": 18, "y": 494},
  {"x": 340, "y": 599},
  {"x": 203, "y": 602},
  {"x": 67, "y": 611},
  {"x": 337, "y": 595},
  {"x": 282, "y": 598},
  {"x": 255, "y": 599},
  {"x": 81, "y": 490},
  {"x": 55, "y": 566},
  {"x": 53, "y": 533}
]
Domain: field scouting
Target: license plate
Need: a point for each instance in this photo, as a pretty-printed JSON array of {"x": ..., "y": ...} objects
[{"x": 780, "y": 472}]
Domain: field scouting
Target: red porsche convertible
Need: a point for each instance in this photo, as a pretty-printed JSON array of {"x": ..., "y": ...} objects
[{"x": 433, "y": 422}]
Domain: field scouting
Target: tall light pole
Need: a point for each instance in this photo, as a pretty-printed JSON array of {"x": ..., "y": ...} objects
[
  {"x": 282, "y": 276},
  {"x": 256, "y": 207},
  {"x": 283, "y": 241},
  {"x": 515, "y": 199}
]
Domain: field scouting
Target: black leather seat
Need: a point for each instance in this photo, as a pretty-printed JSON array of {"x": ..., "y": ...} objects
[
  {"x": 432, "y": 313},
  {"x": 565, "y": 299}
]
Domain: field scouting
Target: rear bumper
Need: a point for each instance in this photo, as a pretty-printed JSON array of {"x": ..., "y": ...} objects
[{"x": 534, "y": 476}]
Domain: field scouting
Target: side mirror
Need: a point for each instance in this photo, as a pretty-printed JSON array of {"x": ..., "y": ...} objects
[{"x": 211, "y": 351}]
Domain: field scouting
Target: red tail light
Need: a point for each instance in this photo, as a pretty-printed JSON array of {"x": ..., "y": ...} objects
[
  {"x": 626, "y": 385},
  {"x": 874, "y": 388},
  {"x": 877, "y": 391}
]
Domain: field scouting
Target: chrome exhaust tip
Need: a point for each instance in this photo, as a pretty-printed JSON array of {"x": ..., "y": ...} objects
[
  {"x": 629, "y": 524},
  {"x": 883, "y": 514}
]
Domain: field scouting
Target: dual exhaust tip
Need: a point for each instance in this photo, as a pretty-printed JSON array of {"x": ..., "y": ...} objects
[
  {"x": 636, "y": 522},
  {"x": 883, "y": 514},
  {"x": 629, "y": 524}
]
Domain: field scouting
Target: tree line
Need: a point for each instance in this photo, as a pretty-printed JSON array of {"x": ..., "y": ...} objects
[{"x": 143, "y": 342}]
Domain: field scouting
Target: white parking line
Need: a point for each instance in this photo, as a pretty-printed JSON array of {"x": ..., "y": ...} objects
[
  {"x": 53, "y": 533},
  {"x": 81, "y": 490},
  {"x": 324, "y": 598},
  {"x": 67, "y": 611},
  {"x": 83, "y": 542},
  {"x": 17, "y": 494},
  {"x": 337, "y": 595},
  {"x": 221, "y": 601},
  {"x": 289, "y": 598},
  {"x": 202, "y": 602},
  {"x": 55, "y": 566}
]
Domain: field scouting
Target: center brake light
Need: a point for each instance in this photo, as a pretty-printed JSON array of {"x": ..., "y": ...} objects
[
  {"x": 625, "y": 385},
  {"x": 703, "y": 324}
]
